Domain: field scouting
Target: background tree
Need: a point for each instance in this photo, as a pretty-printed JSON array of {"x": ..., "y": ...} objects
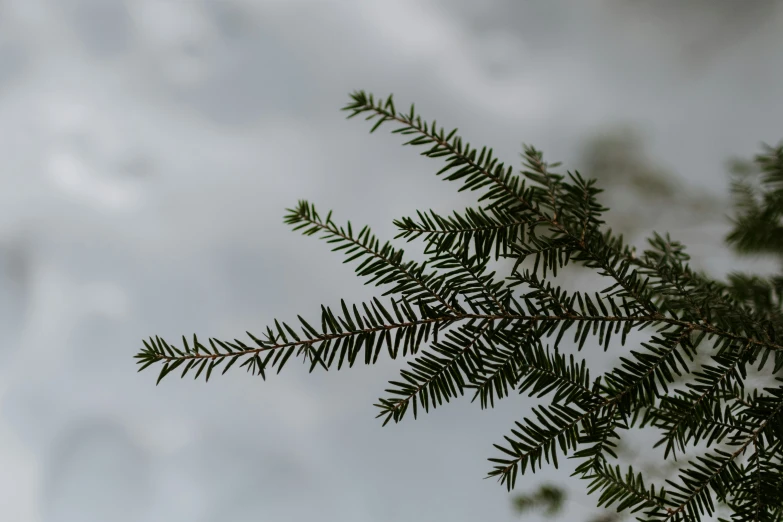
[{"x": 492, "y": 335}]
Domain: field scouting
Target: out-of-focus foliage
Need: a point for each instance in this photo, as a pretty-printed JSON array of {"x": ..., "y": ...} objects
[
  {"x": 757, "y": 188},
  {"x": 547, "y": 497},
  {"x": 638, "y": 190}
]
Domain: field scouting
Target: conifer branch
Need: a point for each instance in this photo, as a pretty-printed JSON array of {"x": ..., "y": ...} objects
[
  {"x": 467, "y": 277},
  {"x": 560, "y": 425},
  {"x": 495, "y": 330},
  {"x": 692, "y": 499},
  {"x": 499, "y": 230},
  {"x": 434, "y": 379},
  {"x": 383, "y": 263},
  {"x": 508, "y": 193},
  {"x": 629, "y": 490},
  {"x": 683, "y": 417}
]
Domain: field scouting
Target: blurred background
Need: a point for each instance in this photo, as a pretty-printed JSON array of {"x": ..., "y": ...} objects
[{"x": 149, "y": 151}]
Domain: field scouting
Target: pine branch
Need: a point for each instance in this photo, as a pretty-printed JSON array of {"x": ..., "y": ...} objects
[
  {"x": 436, "y": 378},
  {"x": 600, "y": 431},
  {"x": 345, "y": 334},
  {"x": 530, "y": 367},
  {"x": 467, "y": 277},
  {"x": 685, "y": 417},
  {"x": 719, "y": 471},
  {"x": 629, "y": 491},
  {"x": 485, "y": 229},
  {"x": 383, "y": 263},
  {"x": 758, "y": 495},
  {"x": 507, "y": 192},
  {"x": 495, "y": 330},
  {"x": 560, "y": 426}
]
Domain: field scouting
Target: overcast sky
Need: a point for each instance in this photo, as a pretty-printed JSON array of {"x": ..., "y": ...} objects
[{"x": 149, "y": 151}]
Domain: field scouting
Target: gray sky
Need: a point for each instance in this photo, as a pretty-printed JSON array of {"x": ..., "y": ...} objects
[{"x": 150, "y": 148}]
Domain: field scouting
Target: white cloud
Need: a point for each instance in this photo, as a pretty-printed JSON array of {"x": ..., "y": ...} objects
[
  {"x": 19, "y": 478},
  {"x": 74, "y": 177},
  {"x": 417, "y": 32}
]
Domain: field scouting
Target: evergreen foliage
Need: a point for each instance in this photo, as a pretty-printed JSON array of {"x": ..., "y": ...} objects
[
  {"x": 548, "y": 497},
  {"x": 467, "y": 329}
]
